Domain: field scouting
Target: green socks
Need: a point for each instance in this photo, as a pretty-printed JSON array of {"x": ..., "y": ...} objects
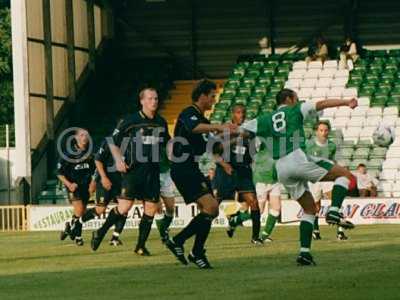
[
  {"x": 306, "y": 229},
  {"x": 241, "y": 216},
  {"x": 272, "y": 218},
  {"x": 339, "y": 192}
]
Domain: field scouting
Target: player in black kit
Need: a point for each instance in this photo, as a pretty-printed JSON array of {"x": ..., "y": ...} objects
[
  {"x": 136, "y": 148},
  {"x": 192, "y": 129},
  {"x": 108, "y": 187},
  {"x": 234, "y": 174},
  {"x": 75, "y": 170}
]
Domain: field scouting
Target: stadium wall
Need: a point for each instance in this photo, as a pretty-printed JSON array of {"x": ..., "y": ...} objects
[
  {"x": 55, "y": 43},
  {"x": 357, "y": 210}
]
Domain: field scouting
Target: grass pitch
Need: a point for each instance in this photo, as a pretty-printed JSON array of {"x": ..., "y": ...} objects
[{"x": 39, "y": 266}]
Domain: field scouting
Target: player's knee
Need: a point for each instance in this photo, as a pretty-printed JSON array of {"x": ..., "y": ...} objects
[
  {"x": 274, "y": 212},
  {"x": 312, "y": 210},
  {"x": 349, "y": 183}
]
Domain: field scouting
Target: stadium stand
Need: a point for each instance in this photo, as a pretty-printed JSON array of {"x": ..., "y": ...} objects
[{"x": 374, "y": 79}]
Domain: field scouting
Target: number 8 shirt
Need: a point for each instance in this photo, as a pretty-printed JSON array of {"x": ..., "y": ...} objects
[{"x": 283, "y": 134}]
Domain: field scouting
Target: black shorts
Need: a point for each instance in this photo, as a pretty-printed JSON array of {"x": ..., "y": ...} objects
[
  {"x": 104, "y": 197},
  {"x": 241, "y": 181},
  {"x": 80, "y": 194},
  {"x": 190, "y": 182},
  {"x": 141, "y": 183}
]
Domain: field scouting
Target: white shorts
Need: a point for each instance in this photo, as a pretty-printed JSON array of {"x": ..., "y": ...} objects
[
  {"x": 166, "y": 185},
  {"x": 296, "y": 169},
  {"x": 318, "y": 189},
  {"x": 264, "y": 190}
]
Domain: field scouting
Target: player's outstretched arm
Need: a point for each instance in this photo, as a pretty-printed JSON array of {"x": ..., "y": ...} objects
[
  {"x": 207, "y": 128},
  {"x": 321, "y": 105}
]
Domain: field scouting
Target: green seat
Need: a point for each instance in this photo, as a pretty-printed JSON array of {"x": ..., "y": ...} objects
[
  {"x": 394, "y": 52},
  {"x": 378, "y": 152},
  {"x": 390, "y": 70},
  {"x": 264, "y": 80},
  {"x": 354, "y": 82},
  {"x": 366, "y": 92},
  {"x": 242, "y": 101},
  {"x": 250, "y": 80},
  {"x": 395, "y": 91},
  {"x": 375, "y": 69},
  {"x": 270, "y": 105},
  {"x": 372, "y": 77},
  {"x": 257, "y": 64},
  {"x": 244, "y": 90},
  {"x": 272, "y": 63},
  {"x": 275, "y": 89},
  {"x": 256, "y": 100},
  {"x": 231, "y": 85}
]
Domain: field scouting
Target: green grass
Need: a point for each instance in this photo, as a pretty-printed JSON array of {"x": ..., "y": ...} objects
[{"x": 38, "y": 266}]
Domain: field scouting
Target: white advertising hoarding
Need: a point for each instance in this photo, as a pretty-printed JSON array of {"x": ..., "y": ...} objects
[{"x": 357, "y": 210}]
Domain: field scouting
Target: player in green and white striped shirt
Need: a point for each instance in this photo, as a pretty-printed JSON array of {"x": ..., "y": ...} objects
[{"x": 283, "y": 133}]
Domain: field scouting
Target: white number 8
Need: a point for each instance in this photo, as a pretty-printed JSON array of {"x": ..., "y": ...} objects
[{"x": 279, "y": 122}]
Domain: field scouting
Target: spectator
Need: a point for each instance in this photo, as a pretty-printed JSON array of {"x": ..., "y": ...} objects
[
  {"x": 348, "y": 51},
  {"x": 319, "y": 51},
  {"x": 366, "y": 183},
  {"x": 264, "y": 47}
]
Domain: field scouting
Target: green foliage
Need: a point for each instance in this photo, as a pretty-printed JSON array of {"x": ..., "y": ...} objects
[{"x": 6, "y": 85}]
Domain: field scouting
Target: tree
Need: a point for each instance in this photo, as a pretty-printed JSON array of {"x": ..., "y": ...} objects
[{"x": 6, "y": 84}]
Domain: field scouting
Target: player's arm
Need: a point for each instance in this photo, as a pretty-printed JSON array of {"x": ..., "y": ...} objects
[
  {"x": 193, "y": 124},
  {"x": 115, "y": 146},
  {"x": 105, "y": 181},
  {"x": 226, "y": 166},
  {"x": 324, "y": 104},
  {"x": 218, "y": 150},
  {"x": 207, "y": 128},
  {"x": 61, "y": 171}
]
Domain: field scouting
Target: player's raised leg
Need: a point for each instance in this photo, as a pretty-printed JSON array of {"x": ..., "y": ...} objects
[{"x": 343, "y": 181}]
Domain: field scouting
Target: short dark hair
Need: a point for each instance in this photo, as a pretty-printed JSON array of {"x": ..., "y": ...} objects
[
  {"x": 323, "y": 122},
  {"x": 238, "y": 105},
  {"x": 361, "y": 166},
  {"x": 283, "y": 94},
  {"x": 204, "y": 86}
]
